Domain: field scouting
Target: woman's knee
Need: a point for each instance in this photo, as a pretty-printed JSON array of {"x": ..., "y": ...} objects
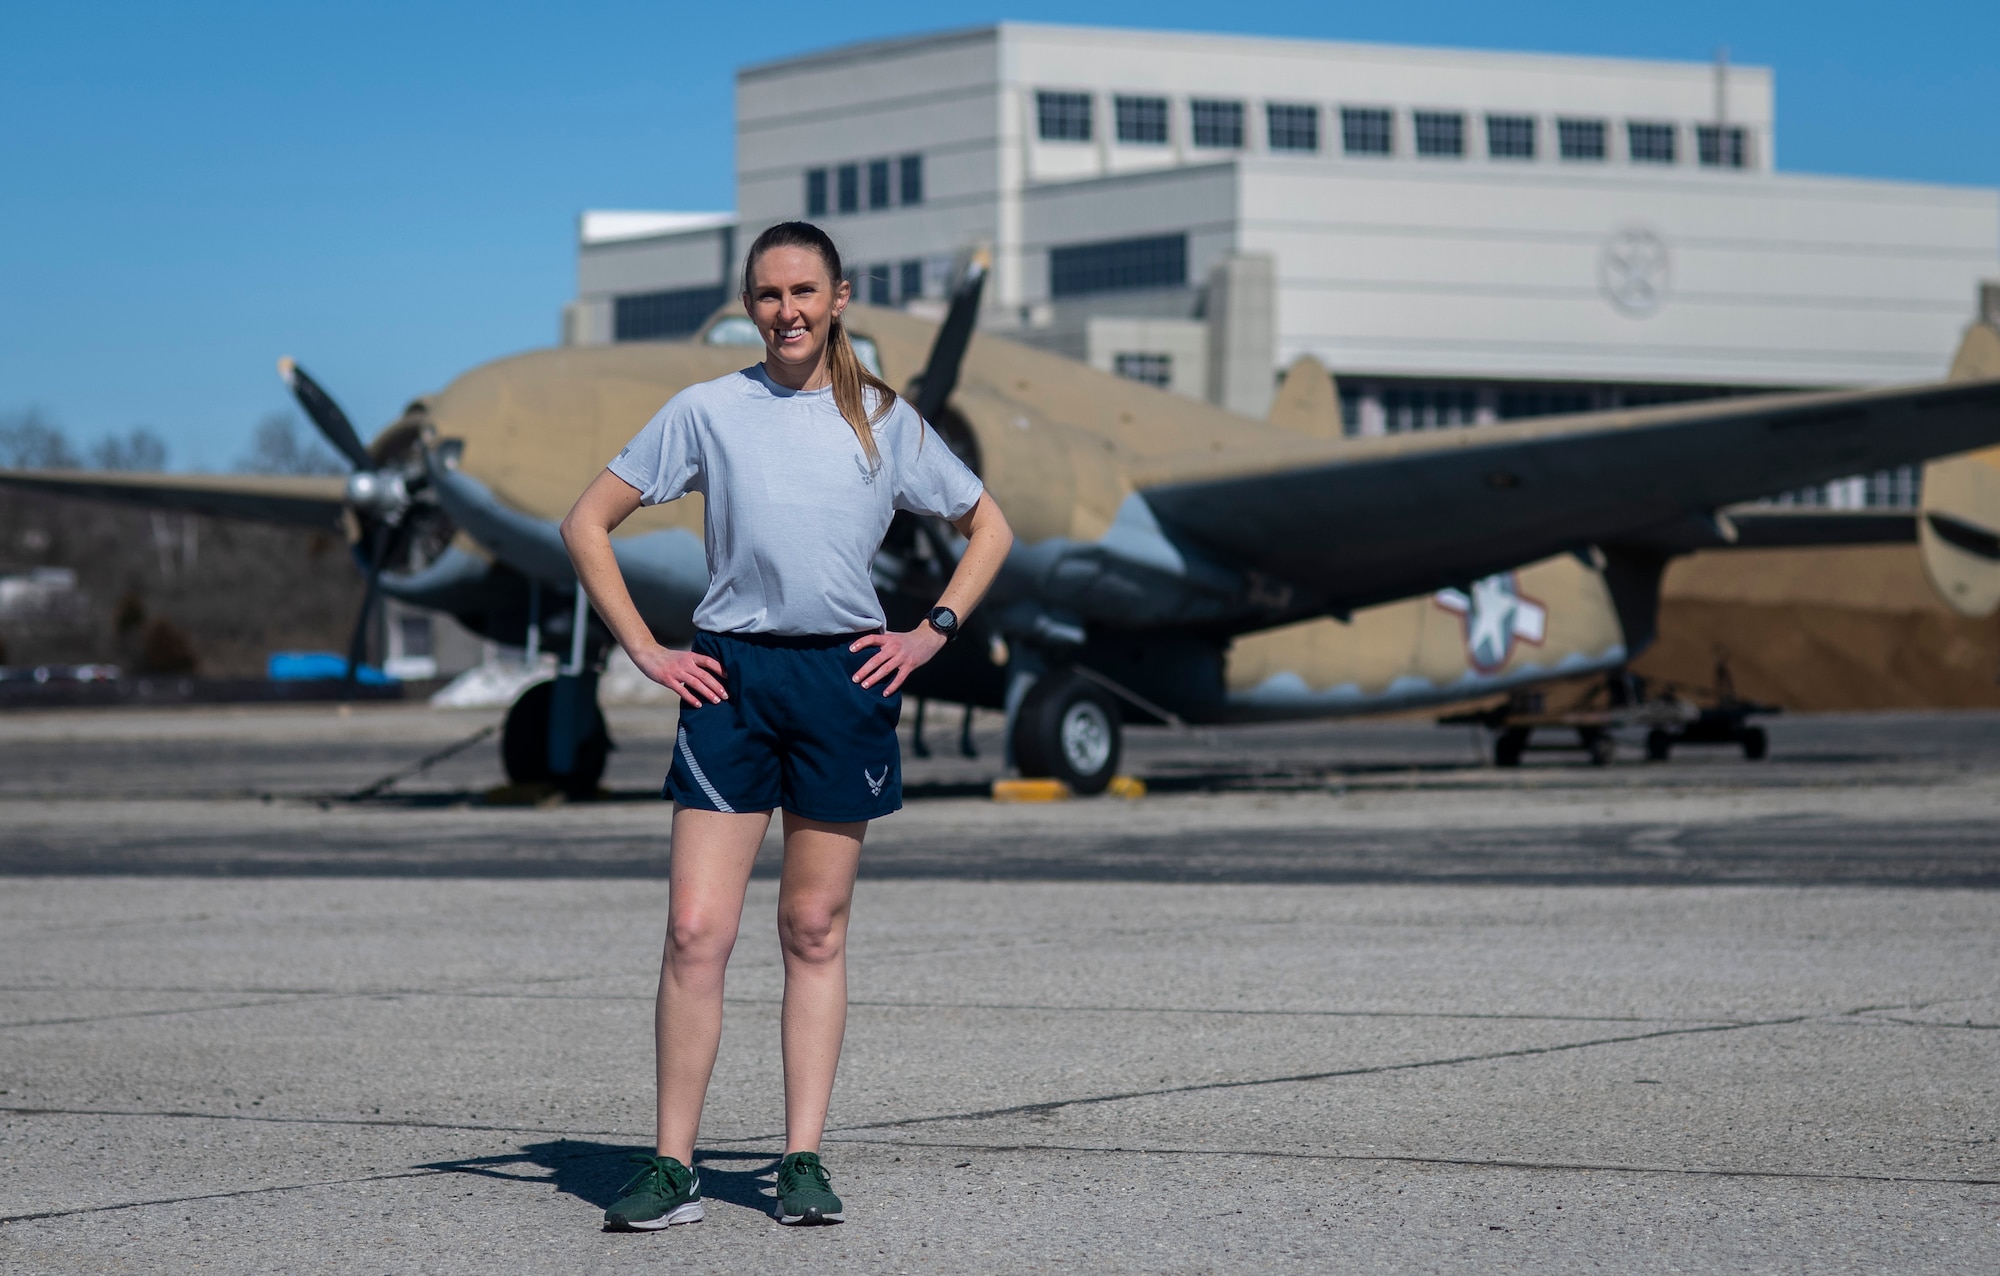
[
  {"x": 696, "y": 937},
  {"x": 812, "y": 931}
]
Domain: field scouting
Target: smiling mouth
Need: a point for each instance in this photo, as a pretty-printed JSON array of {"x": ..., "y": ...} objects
[{"x": 789, "y": 334}]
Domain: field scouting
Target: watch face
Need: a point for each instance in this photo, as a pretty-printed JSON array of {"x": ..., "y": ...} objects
[{"x": 944, "y": 619}]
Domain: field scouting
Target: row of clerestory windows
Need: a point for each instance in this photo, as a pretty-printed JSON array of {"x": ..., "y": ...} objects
[
  {"x": 1294, "y": 127},
  {"x": 875, "y": 184}
]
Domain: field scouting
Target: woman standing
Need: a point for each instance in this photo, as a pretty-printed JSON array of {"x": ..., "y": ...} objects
[{"x": 790, "y": 692}]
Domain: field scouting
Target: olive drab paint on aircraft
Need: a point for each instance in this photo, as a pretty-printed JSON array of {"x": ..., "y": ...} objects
[{"x": 1961, "y": 494}]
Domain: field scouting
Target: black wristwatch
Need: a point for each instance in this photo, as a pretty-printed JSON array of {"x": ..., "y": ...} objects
[{"x": 945, "y": 621}]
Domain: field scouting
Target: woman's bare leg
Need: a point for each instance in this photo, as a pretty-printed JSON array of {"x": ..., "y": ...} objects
[
  {"x": 814, "y": 897},
  {"x": 712, "y": 856}
]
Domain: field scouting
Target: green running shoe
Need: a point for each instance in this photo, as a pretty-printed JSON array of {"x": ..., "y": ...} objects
[
  {"x": 803, "y": 1196},
  {"x": 659, "y": 1196}
]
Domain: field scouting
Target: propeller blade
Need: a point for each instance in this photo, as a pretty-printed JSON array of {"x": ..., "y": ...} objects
[
  {"x": 325, "y": 414},
  {"x": 941, "y": 373},
  {"x": 357, "y": 644},
  {"x": 383, "y": 547}
]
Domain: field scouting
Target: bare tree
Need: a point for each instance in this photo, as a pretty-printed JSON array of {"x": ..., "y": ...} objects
[
  {"x": 280, "y": 447},
  {"x": 140, "y": 449},
  {"x": 29, "y": 442}
]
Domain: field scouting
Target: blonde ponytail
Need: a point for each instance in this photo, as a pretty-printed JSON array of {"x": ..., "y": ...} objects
[{"x": 851, "y": 383}]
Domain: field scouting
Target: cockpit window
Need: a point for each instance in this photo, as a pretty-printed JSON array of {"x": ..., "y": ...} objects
[
  {"x": 864, "y": 350},
  {"x": 734, "y": 331}
]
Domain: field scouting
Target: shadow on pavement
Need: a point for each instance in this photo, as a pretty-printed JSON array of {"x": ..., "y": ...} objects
[{"x": 594, "y": 1172}]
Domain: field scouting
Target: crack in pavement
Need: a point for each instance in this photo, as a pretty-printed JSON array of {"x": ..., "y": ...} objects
[
  {"x": 1200, "y": 1087},
  {"x": 273, "y": 1119},
  {"x": 170, "y": 1010},
  {"x": 1479, "y": 1163},
  {"x": 1585, "y": 1167},
  {"x": 279, "y": 997},
  {"x": 215, "y": 1196}
]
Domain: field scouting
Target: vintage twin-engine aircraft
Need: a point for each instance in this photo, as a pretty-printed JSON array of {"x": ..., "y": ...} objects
[{"x": 1174, "y": 561}]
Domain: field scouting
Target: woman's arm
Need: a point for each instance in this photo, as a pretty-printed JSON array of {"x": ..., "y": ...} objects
[
  {"x": 586, "y": 531},
  {"x": 989, "y": 537}
]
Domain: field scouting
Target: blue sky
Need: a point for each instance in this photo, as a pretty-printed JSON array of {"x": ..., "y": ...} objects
[{"x": 389, "y": 191}]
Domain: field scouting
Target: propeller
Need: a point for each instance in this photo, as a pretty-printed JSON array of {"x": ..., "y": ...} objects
[
  {"x": 379, "y": 497},
  {"x": 325, "y": 414},
  {"x": 940, "y": 376}
]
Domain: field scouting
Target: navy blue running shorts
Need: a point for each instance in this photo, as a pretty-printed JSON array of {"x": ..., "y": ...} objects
[{"x": 796, "y": 732}]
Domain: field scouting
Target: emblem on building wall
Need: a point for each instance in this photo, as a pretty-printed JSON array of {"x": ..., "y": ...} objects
[
  {"x": 1635, "y": 270},
  {"x": 1497, "y": 615}
]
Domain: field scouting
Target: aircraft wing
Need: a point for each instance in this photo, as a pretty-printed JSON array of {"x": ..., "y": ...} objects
[
  {"x": 301, "y": 501},
  {"x": 1369, "y": 521}
]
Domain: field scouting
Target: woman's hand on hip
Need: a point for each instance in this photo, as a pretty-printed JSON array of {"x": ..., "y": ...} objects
[
  {"x": 897, "y": 654},
  {"x": 683, "y": 672}
]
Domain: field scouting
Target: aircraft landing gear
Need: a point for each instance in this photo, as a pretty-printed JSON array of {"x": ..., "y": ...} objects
[
  {"x": 1068, "y": 728},
  {"x": 529, "y": 745}
]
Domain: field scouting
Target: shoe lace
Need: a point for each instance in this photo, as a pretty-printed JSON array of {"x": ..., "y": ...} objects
[
  {"x": 805, "y": 1165},
  {"x": 661, "y": 1173}
]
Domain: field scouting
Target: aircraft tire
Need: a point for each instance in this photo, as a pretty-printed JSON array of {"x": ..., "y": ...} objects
[
  {"x": 1069, "y": 729},
  {"x": 1755, "y": 743},
  {"x": 1659, "y": 745},
  {"x": 1508, "y": 748},
  {"x": 524, "y": 745}
]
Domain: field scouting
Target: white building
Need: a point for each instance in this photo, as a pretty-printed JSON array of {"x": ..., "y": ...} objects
[{"x": 1459, "y": 236}]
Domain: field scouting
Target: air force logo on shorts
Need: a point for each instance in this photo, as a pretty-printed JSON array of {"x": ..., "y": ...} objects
[{"x": 875, "y": 782}]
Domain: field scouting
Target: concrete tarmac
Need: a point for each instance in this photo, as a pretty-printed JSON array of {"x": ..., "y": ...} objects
[{"x": 1334, "y": 998}]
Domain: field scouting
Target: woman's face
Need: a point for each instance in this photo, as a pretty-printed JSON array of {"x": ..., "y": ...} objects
[{"x": 793, "y": 301}]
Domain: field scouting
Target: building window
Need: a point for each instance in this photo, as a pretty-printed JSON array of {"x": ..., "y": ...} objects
[
  {"x": 1292, "y": 128},
  {"x": 911, "y": 170},
  {"x": 1158, "y": 261},
  {"x": 873, "y": 285},
  {"x": 910, "y": 278},
  {"x": 1152, "y": 369},
  {"x": 1650, "y": 143},
  {"x": 815, "y": 192},
  {"x": 848, "y": 180},
  {"x": 1719, "y": 147},
  {"x": 878, "y": 184},
  {"x": 1515, "y": 404},
  {"x": 1142, "y": 121},
  {"x": 1580, "y": 139},
  {"x": 656, "y": 316},
  {"x": 1366, "y": 130},
  {"x": 1218, "y": 124},
  {"x": 1412, "y": 408},
  {"x": 418, "y": 641},
  {"x": 1510, "y": 136},
  {"x": 1440, "y": 133},
  {"x": 1063, "y": 117}
]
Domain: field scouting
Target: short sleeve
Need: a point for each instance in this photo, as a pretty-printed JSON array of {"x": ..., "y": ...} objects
[
  {"x": 929, "y": 477},
  {"x": 663, "y": 460}
]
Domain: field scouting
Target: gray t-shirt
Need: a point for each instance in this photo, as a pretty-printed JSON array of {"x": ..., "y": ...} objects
[{"x": 794, "y": 513}]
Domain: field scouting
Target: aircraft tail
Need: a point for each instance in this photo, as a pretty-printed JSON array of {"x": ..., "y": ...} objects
[
  {"x": 1307, "y": 401},
  {"x": 1959, "y": 530}
]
